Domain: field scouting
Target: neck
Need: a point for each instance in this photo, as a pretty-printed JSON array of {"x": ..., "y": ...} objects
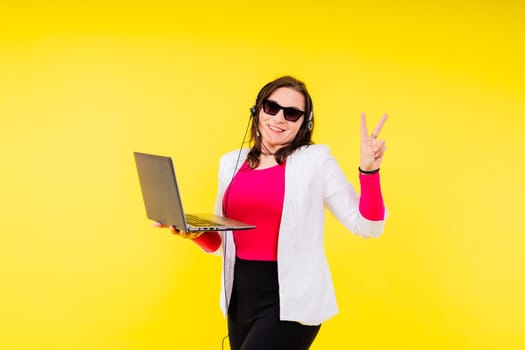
[
  {"x": 266, "y": 161},
  {"x": 265, "y": 151}
]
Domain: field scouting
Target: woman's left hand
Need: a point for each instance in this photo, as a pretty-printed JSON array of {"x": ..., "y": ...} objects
[{"x": 372, "y": 149}]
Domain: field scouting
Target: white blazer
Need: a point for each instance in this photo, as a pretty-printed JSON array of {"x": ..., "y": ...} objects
[{"x": 313, "y": 180}]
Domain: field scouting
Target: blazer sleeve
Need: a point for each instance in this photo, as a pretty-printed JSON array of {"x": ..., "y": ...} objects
[{"x": 343, "y": 201}]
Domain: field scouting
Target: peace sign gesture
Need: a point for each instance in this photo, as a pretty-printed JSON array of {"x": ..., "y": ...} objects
[{"x": 372, "y": 149}]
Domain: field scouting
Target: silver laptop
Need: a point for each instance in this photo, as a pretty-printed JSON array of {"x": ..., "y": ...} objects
[{"x": 162, "y": 198}]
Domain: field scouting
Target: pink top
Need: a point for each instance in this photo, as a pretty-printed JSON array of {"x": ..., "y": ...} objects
[{"x": 256, "y": 196}]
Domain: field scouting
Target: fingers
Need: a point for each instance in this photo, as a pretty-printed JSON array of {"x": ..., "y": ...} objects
[
  {"x": 364, "y": 129},
  {"x": 379, "y": 126},
  {"x": 380, "y": 150},
  {"x": 377, "y": 149},
  {"x": 190, "y": 235},
  {"x": 174, "y": 230},
  {"x": 183, "y": 234},
  {"x": 377, "y": 130},
  {"x": 372, "y": 152}
]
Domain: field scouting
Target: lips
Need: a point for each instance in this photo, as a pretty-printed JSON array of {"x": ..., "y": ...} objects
[{"x": 274, "y": 128}]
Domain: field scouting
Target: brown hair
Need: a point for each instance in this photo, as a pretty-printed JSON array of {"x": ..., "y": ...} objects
[{"x": 304, "y": 135}]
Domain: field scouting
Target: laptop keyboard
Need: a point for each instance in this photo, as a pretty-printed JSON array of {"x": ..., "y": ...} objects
[{"x": 200, "y": 222}]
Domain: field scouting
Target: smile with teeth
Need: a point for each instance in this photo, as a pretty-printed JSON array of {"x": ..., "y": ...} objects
[{"x": 274, "y": 128}]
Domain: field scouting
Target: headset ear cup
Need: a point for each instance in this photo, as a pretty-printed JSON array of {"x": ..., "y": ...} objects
[{"x": 310, "y": 122}]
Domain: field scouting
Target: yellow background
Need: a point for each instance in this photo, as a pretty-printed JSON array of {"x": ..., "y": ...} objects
[{"x": 83, "y": 86}]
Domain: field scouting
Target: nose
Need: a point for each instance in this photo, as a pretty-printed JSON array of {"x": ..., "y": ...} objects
[{"x": 280, "y": 116}]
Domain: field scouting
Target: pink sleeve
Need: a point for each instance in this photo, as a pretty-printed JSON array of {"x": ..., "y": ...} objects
[
  {"x": 371, "y": 204},
  {"x": 209, "y": 241}
]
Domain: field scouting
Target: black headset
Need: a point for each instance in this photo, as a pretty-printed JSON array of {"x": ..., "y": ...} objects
[{"x": 253, "y": 109}]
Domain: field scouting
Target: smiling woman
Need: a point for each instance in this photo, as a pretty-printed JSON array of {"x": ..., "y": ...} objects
[{"x": 277, "y": 289}]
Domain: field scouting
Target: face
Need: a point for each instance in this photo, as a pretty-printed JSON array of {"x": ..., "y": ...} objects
[{"x": 276, "y": 131}]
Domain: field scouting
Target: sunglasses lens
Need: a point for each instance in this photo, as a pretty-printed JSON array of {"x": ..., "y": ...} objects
[
  {"x": 292, "y": 114},
  {"x": 271, "y": 107}
]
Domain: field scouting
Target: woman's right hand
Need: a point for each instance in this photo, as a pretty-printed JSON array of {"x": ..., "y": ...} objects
[{"x": 190, "y": 235}]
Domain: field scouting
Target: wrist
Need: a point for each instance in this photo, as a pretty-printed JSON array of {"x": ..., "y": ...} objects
[{"x": 368, "y": 172}]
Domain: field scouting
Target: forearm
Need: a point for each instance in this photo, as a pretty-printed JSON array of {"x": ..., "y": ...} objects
[
  {"x": 371, "y": 204},
  {"x": 209, "y": 241}
]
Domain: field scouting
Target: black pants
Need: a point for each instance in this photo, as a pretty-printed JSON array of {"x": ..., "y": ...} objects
[{"x": 253, "y": 313}]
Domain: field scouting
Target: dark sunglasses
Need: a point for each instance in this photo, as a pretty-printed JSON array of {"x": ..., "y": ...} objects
[{"x": 291, "y": 114}]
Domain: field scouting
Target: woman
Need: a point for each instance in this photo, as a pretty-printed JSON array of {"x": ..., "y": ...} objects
[{"x": 277, "y": 289}]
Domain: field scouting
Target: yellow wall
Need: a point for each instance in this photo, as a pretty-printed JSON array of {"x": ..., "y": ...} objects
[{"x": 82, "y": 86}]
